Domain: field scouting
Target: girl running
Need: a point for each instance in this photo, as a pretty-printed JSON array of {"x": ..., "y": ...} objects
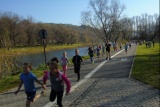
[
  {"x": 64, "y": 62},
  {"x": 57, "y": 80}
]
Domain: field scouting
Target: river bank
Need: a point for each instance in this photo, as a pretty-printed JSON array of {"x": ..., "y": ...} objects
[
  {"x": 38, "y": 49},
  {"x": 12, "y": 59}
]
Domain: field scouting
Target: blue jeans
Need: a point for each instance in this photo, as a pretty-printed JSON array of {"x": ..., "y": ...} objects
[{"x": 91, "y": 58}]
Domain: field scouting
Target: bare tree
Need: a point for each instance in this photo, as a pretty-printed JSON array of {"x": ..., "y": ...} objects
[
  {"x": 4, "y": 35},
  {"x": 157, "y": 29},
  {"x": 28, "y": 27},
  {"x": 126, "y": 27},
  {"x": 145, "y": 26},
  {"x": 103, "y": 17},
  {"x": 12, "y": 21}
]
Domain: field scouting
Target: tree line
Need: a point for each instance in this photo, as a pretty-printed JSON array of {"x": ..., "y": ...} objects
[
  {"x": 17, "y": 31},
  {"x": 104, "y": 21}
]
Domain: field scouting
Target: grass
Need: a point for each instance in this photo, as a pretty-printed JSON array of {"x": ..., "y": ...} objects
[
  {"x": 147, "y": 64},
  {"x": 9, "y": 82},
  {"x": 8, "y": 57},
  {"x": 145, "y": 69},
  {"x": 38, "y": 49}
]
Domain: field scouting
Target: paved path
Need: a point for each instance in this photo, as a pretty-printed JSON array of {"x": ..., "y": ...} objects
[{"x": 109, "y": 86}]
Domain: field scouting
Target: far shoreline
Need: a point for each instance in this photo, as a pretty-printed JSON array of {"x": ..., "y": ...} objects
[{"x": 38, "y": 49}]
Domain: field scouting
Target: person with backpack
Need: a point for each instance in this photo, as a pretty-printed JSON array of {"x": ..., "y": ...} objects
[
  {"x": 57, "y": 80},
  {"x": 64, "y": 62}
]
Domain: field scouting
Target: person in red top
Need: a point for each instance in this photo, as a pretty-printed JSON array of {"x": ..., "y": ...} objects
[{"x": 57, "y": 80}]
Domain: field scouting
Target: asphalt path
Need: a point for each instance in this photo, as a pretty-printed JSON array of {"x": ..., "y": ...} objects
[
  {"x": 103, "y": 84},
  {"x": 118, "y": 67}
]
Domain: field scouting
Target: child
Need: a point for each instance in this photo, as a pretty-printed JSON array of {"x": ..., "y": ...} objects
[
  {"x": 77, "y": 63},
  {"x": 103, "y": 49},
  {"x": 114, "y": 46},
  {"x": 98, "y": 51},
  {"x": 120, "y": 46},
  {"x": 64, "y": 62},
  {"x": 130, "y": 45},
  {"x": 126, "y": 47},
  {"x": 27, "y": 78},
  {"x": 91, "y": 54},
  {"x": 57, "y": 80}
]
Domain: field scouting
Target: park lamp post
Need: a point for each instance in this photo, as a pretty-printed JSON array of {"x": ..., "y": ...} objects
[{"x": 43, "y": 36}]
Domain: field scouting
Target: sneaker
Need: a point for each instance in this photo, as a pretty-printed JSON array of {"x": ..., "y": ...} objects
[
  {"x": 78, "y": 80},
  {"x": 92, "y": 62},
  {"x": 43, "y": 93},
  {"x": 107, "y": 58}
]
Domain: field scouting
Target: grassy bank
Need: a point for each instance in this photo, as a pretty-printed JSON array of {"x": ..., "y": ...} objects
[
  {"x": 12, "y": 81},
  {"x": 146, "y": 65},
  {"x": 9, "y": 58},
  {"x": 38, "y": 49}
]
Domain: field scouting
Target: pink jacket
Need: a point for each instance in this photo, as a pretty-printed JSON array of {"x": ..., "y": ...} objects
[{"x": 61, "y": 76}]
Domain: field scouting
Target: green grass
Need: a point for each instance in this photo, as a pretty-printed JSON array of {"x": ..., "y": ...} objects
[
  {"x": 7, "y": 57},
  {"x": 38, "y": 49},
  {"x": 9, "y": 82},
  {"x": 146, "y": 65}
]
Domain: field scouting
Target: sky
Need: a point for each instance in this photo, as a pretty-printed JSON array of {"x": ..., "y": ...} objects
[{"x": 69, "y": 11}]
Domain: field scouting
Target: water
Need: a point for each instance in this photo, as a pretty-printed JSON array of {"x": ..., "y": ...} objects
[{"x": 37, "y": 59}]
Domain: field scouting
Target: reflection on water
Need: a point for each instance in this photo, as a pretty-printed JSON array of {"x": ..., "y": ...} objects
[{"x": 37, "y": 59}]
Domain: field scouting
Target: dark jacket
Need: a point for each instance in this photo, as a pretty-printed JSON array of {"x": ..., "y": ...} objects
[
  {"x": 91, "y": 53},
  {"x": 77, "y": 60},
  {"x": 108, "y": 46}
]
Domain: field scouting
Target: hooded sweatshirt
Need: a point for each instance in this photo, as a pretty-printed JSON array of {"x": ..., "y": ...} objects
[{"x": 57, "y": 81}]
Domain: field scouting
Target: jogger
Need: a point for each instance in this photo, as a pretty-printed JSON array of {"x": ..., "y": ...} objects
[{"x": 77, "y": 59}]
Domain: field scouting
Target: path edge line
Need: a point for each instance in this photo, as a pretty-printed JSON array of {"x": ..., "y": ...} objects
[
  {"x": 85, "y": 78},
  {"x": 132, "y": 64}
]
